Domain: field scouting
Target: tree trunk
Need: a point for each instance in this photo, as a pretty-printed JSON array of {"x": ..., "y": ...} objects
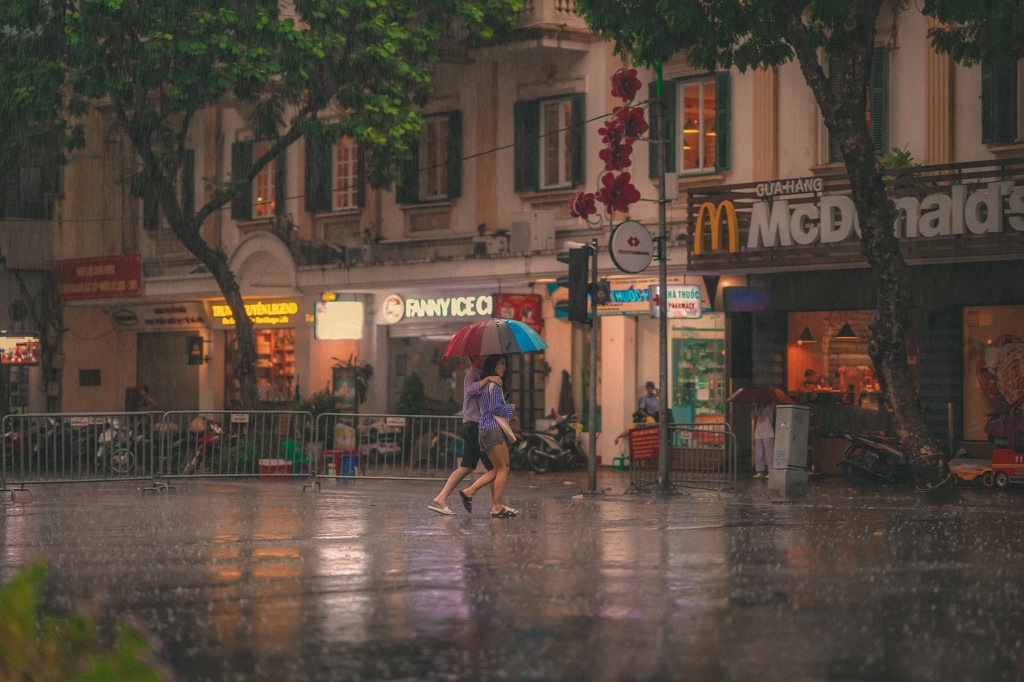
[
  {"x": 217, "y": 263},
  {"x": 843, "y": 104}
]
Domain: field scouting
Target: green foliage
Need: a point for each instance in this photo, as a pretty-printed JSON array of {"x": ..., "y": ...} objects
[
  {"x": 898, "y": 158},
  {"x": 44, "y": 647},
  {"x": 972, "y": 31}
]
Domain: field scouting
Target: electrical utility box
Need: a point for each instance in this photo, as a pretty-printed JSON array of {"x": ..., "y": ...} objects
[{"x": 788, "y": 476}]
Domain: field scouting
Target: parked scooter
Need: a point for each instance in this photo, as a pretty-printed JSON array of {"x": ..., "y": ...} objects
[
  {"x": 876, "y": 458},
  {"x": 119, "y": 448},
  {"x": 555, "y": 448}
]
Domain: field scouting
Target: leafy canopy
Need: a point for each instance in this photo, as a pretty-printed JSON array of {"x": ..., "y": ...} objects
[
  {"x": 726, "y": 33},
  {"x": 364, "y": 63}
]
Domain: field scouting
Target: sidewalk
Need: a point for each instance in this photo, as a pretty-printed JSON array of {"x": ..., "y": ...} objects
[{"x": 250, "y": 580}]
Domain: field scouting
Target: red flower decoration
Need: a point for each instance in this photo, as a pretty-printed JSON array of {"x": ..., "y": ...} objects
[
  {"x": 616, "y": 157},
  {"x": 582, "y": 205},
  {"x": 613, "y": 131},
  {"x": 632, "y": 121},
  {"x": 625, "y": 84},
  {"x": 618, "y": 192}
]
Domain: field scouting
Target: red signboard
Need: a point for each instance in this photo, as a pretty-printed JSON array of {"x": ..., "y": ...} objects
[
  {"x": 522, "y": 307},
  {"x": 105, "y": 277},
  {"x": 643, "y": 443}
]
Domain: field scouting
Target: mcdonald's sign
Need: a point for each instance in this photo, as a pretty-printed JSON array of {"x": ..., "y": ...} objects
[{"x": 714, "y": 217}]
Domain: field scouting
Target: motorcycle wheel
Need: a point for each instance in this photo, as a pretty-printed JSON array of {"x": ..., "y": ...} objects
[
  {"x": 121, "y": 461},
  {"x": 537, "y": 461}
]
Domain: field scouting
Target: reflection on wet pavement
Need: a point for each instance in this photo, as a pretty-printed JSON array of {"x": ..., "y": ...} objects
[{"x": 251, "y": 580}]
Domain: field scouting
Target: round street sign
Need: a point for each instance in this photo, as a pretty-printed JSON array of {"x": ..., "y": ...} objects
[{"x": 631, "y": 247}]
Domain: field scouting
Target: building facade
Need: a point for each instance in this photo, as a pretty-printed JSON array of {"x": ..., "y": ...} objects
[{"x": 510, "y": 136}]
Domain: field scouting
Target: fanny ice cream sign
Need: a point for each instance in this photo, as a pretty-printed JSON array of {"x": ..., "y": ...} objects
[{"x": 833, "y": 218}]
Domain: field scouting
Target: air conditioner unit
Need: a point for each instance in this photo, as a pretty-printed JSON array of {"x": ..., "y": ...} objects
[
  {"x": 489, "y": 245},
  {"x": 532, "y": 231}
]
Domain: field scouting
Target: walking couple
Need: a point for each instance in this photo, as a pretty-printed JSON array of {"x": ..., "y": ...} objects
[{"x": 485, "y": 428}]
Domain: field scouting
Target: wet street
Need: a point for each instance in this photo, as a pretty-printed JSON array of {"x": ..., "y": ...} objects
[{"x": 250, "y": 580}]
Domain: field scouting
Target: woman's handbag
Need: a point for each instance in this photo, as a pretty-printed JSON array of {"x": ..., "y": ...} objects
[{"x": 503, "y": 423}]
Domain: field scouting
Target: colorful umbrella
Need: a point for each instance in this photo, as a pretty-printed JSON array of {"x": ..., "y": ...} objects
[
  {"x": 495, "y": 335},
  {"x": 760, "y": 394}
]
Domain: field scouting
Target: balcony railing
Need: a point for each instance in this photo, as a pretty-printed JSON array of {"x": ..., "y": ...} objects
[{"x": 550, "y": 14}]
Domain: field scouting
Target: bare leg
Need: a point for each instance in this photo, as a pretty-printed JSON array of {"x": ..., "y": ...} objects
[
  {"x": 456, "y": 476},
  {"x": 484, "y": 479},
  {"x": 499, "y": 458}
]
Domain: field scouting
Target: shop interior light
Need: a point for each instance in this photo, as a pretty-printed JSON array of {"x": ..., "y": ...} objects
[
  {"x": 690, "y": 126},
  {"x": 846, "y": 333},
  {"x": 806, "y": 336}
]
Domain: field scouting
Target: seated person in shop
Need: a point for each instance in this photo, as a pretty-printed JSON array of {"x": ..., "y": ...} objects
[
  {"x": 649, "y": 402},
  {"x": 813, "y": 380}
]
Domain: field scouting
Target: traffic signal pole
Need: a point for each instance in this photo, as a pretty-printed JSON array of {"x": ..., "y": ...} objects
[
  {"x": 664, "y": 483},
  {"x": 595, "y": 335}
]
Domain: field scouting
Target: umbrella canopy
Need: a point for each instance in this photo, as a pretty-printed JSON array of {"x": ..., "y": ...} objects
[
  {"x": 492, "y": 336},
  {"x": 760, "y": 394}
]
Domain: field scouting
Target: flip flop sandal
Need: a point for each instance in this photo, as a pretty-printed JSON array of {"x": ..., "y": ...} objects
[
  {"x": 446, "y": 510},
  {"x": 506, "y": 513},
  {"x": 467, "y": 501}
]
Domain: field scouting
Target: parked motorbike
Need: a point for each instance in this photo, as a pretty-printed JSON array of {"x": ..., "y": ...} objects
[
  {"x": 119, "y": 447},
  {"x": 876, "y": 458},
  {"x": 205, "y": 437},
  {"x": 557, "y": 447}
]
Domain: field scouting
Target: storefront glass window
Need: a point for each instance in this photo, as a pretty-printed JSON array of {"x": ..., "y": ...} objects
[
  {"x": 698, "y": 370},
  {"x": 828, "y": 367},
  {"x": 275, "y": 367}
]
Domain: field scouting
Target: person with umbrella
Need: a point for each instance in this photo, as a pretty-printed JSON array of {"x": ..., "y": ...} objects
[
  {"x": 764, "y": 438},
  {"x": 495, "y": 436},
  {"x": 470, "y": 435}
]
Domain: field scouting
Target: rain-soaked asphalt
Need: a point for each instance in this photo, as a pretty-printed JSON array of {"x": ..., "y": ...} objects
[{"x": 249, "y": 580}]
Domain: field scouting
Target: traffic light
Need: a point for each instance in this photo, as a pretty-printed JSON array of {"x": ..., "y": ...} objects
[{"x": 578, "y": 258}]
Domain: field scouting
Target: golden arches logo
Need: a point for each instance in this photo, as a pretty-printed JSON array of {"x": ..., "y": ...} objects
[{"x": 714, "y": 216}]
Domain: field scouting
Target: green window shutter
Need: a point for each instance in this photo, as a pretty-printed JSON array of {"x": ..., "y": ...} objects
[
  {"x": 241, "y": 163},
  {"x": 526, "y": 145},
  {"x": 188, "y": 183},
  {"x": 407, "y": 190},
  {"x": 361, "y": 177},
  {"x": 668, "y": 105},
  {"x": 454, "y": 154},
  {"x": 879, "y": 91},
  {"x": 578, "y": 101},
  {"x": 281, "y": 187},
  {"x": 998, "y": 102},
  {"x": 987, "y": 78},
  {"x": 318, "y": 174},
  {"x": 722, "y": 124}
]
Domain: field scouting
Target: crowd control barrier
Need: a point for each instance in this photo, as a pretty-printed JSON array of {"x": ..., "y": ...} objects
[
  {"x": 273, "y": 445},
  {"x": 700, "y": 456}
]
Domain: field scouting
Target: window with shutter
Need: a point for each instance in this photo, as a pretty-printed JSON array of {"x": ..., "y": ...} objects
[
  {"x": 434, "y": 173},
  {"x": 264, "y": 185},
  {"x": 1002, "y": 113},
  {"x": 877, "y": 112},
  {"x": 345, "y": 174},
  {"x": 697, "y": 114}
]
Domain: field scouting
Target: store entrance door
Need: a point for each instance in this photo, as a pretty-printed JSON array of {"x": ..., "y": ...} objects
[{"x": 161, "y": 366}]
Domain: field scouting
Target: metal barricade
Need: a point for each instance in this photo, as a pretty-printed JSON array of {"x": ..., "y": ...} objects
[
  {"x": 701, "y": 456},
  {"x": 388, "y": 446},
  {"x": 273, "y": 445},
  {"x": 49, "y": 448}
]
